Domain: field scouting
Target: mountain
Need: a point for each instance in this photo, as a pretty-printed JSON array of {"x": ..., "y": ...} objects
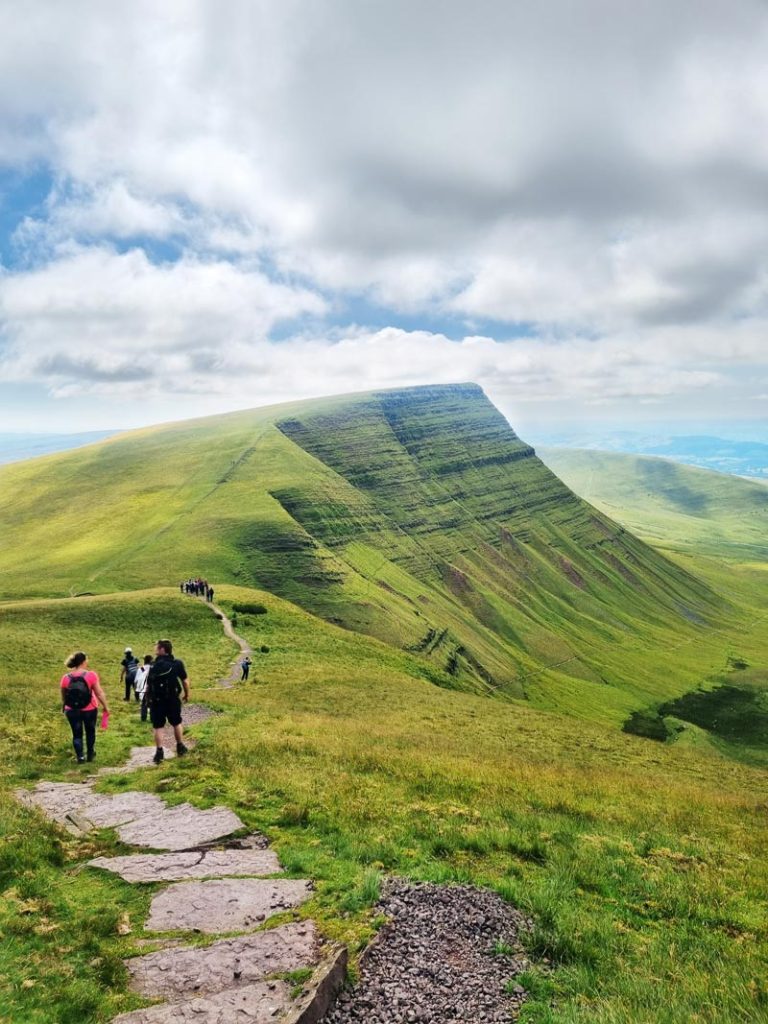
[
  {"x": 667, "y": 504},
  {"x": 416, "y": 516},
  {"x": 516, "y": 694},
  {"x": 747, "y": 456}
]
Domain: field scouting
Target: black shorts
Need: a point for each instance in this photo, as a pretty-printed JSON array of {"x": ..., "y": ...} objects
[{"x": 167, "y": 710}]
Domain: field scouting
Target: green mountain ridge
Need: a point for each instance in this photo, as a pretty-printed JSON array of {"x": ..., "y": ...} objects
[
  {"x": 416, "y": 516},
  {"x": 464, "y": 726}
]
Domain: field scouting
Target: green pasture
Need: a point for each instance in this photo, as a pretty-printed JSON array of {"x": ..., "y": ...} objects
[
  {"x": 447, "y": 643},
  {"x": 642, "y": 863}
]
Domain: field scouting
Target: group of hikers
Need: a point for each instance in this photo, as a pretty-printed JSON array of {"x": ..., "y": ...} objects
[
  {"x": 198, "y": 587},
  {"x": 160, "y": 685}
]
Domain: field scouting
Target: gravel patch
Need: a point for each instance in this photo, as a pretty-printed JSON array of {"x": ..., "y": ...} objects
[{"x": 435, "y": 961}]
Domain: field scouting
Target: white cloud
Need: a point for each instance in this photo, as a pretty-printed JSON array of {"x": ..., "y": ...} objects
[
  {"x": 97, "y": 317},
  {"x": 595, "y": 170}
]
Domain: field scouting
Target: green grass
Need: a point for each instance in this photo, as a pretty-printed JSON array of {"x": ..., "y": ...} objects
[
  {"x": 669, "y": 504},
  {"x": 641, "y": 863},
  {"x": 463, "y": 726},
  {"x": 391, "y": 514}
]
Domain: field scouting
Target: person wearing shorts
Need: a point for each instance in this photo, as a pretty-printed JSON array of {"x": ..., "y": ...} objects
[{"x": 167, "y": 687}]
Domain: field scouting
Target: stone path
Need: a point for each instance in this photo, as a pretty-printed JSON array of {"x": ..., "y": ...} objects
[{"x": 221, "y": 883}]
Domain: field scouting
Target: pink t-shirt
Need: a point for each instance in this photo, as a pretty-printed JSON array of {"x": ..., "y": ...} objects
[{"x": 91, "y": 679}]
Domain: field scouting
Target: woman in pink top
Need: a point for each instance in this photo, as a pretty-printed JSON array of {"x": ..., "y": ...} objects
[{"x": 81, "y": 694}]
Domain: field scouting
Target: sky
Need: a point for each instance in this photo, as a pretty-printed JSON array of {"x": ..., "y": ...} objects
[{"x": 208, "y": 206}]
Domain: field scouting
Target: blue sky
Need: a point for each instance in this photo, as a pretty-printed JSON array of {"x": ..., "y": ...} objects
[{"x": 206, "y": 207}]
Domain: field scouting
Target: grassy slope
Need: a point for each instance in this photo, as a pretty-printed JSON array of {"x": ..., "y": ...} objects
[
  {"x": 416, "y": 516},
  {"x": 668, "y": 504},
  {"x": 641, "y": 863}
]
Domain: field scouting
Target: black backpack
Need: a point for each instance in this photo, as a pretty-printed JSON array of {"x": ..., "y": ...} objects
[
  {"x": 77, "y": 693},
  {"x": 163, "y": 681}
]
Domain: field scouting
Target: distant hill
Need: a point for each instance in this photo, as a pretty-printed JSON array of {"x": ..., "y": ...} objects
[
  {"x": 17, "y": 447},
  {"x": 417, "y": 516},
  {"x": 668, "y": 504},
  {"x": 739, "y": 457}
]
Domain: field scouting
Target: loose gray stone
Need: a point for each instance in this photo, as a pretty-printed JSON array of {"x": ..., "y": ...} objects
[
  {"x": 260, "y": 1003},
  {"x": 174, "y": 867},
  {"x": 223, "y": 905},
  {"x": 181, "y": 827},
  {"x": 230, "y": 963},
  {"x": 447, "y": 954}
]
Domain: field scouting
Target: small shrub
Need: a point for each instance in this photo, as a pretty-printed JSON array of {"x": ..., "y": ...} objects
[
  {"x": 250, "y": 608},
  {"x": 264, "y": 649}
]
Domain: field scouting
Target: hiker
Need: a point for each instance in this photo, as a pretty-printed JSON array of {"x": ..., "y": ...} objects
[
  {"x": 166, "y": 681},
  {"x": 140, "y": 684},
  {"x": 129, "y": 666},
  {"x": 81, "y": 694},
  {"x": 245, "y": 665},
  {"x": 210, "y": 595}
]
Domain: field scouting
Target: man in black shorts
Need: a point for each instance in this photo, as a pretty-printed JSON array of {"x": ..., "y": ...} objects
[{"x": 167, "y": 686}]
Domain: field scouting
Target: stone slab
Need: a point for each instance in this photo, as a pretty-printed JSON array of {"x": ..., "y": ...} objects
[
  {"x": 140, "y": 757},
  {"x": 62, "y": 801},
  {"x": 57, "y": 799},
  {"x": 223, "y": 905},
  {"x": 175, "y": 867},
  {"x": 259, "y": 1003},
  {"x": 190, "y": 971},
  {"x": 181, "y": 828},
  {"x": 320, "y": 992}
]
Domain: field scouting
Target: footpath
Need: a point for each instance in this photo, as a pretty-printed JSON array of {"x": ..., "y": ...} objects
[{"x": 223, "y": 884}]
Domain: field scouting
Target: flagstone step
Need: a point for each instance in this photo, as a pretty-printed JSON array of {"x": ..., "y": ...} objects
[
  {"x": 263, "y": 1002},
  {"x": 142, "y": 757},
  {"x": 180, "y": 828},
  {"x": 66, "y": 802},
  {"x": 190, "y": 971},
  {"x": 224, "y": 905},
  {"x": 175, "y": 867}
]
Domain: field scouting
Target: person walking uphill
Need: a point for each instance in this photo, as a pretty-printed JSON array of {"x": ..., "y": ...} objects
[
  {"x": 128, "y": 668},
  {"x": 167, "y": 686},
  {"x": 81, "y": 694}
]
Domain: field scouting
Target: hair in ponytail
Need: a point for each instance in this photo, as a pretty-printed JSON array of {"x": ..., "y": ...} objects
[{"x": 76, "y": 660}]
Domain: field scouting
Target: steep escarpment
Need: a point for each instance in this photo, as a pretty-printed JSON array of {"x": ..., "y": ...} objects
[
  {"x": 445, "y": 488},
  {"x": 416, "y": 516}
]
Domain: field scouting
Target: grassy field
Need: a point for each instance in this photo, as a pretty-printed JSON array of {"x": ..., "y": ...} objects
[
  {"x": 642, "y": 863},
  {"x": 465, "y": 724}
]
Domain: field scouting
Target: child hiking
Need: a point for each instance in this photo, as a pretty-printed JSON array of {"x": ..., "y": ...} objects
[
  {"x": 167, "y": 686},
  {"x": 81, "y": 694}
]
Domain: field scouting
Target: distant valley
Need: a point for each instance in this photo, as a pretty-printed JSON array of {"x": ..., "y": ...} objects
[
  {"x": 17, "y": 447},
  {"x": 746, "y": 457}
]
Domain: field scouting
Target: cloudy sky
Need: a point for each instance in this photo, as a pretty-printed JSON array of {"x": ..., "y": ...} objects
[{"x": 211, "y": 205}]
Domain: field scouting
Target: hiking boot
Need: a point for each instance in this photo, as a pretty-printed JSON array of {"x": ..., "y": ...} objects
[
  {"x": 80, "y": 759},
  {"x": 181, "y": 749},
  {"x": 159, "y": 755},
  {"x": 91, "y": 755}
]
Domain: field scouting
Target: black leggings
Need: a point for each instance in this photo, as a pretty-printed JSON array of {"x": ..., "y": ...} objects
[{"x": 80, "y": 720}]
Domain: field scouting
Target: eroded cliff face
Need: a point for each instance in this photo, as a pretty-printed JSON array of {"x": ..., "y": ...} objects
[{"x": 437, "y": 481}]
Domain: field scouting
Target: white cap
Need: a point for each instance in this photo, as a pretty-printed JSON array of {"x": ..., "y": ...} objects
[{"x": 127, "y": 651}]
